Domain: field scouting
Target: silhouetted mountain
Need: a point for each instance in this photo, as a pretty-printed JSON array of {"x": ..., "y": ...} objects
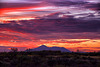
[{"x": 43, "y": 47}]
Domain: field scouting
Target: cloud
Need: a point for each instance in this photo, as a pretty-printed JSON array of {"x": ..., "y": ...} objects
[
  {"x": 68, "y": 28},
  {"x": 71, "y": 42},
  {"x": 18, "y": 1},
  {"x": 33, "y": 8},
  {"x": 54, "y": 25},
  {"x": 93, "y": 6},
  {"x": 17, "y": 5}
]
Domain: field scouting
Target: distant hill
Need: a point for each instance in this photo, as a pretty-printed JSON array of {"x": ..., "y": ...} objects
[{"x": 43, "y": 47}]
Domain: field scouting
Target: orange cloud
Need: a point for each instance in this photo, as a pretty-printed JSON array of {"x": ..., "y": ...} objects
[{"x": 7, "y": 13}]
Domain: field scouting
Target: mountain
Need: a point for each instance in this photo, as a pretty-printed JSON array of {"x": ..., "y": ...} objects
[{"x": 43, "y": 47}]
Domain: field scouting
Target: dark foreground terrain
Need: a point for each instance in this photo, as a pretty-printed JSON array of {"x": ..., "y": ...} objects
[{"x": 49, "y": 59}]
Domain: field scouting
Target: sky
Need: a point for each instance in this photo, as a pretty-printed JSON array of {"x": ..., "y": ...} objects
[{"x": 73, "y": 24}]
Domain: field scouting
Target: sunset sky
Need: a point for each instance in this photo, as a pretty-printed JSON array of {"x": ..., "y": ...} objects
[{"x": 73, "y": 24}]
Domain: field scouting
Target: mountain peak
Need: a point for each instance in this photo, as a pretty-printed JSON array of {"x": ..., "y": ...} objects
[{"x": 43, "y": 46}]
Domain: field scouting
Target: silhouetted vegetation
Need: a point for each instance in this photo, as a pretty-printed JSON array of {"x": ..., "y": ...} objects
[
  {"x": 49, "y": 59},
  {"x": 14, "y": 49}
]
